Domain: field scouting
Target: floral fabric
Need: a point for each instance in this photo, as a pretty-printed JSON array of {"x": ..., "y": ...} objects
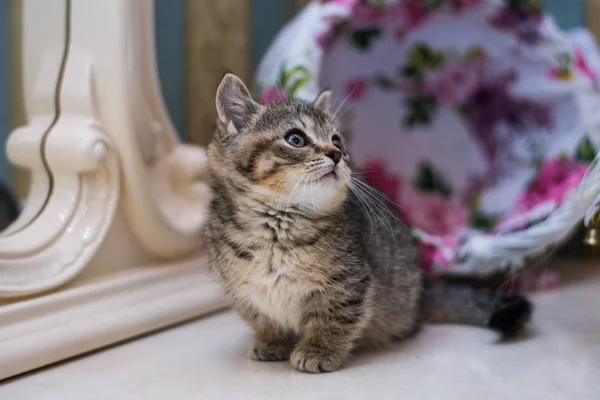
[{"x": 465, "y": 113}]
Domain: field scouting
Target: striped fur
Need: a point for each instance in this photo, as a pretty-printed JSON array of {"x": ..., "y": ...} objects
[{"x": 306, "y": 264}]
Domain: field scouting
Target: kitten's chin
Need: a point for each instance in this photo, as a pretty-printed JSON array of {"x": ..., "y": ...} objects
[
  {"x": 328, "y": 178},
  {"x": 324, "y": 196}
]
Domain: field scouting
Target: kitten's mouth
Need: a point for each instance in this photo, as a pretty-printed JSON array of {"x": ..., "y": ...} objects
[{"x": 327, "y": 175}]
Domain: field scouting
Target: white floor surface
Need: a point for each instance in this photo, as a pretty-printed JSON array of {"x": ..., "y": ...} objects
[{"x": 205, "y": 359}]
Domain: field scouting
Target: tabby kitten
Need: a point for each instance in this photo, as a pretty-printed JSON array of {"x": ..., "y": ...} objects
[{"x": 315, "y": 261}]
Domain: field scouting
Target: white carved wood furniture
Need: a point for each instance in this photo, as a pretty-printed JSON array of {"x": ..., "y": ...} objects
[{"x": 109, "y": 245}]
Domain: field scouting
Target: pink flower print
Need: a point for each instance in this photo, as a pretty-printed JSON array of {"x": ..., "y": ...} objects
[
  {"x": 555, "y": 180},
  {"x": 443, "y": 91},
  {"x": 376, "y": 175},
  {"x": 463, "y": 5},
  {"x": 366, "y": 16},
  {"x": 454, "y": 84},
  {"x": 437, "y": 253},
  {"x": 582, "y": 65},
  {"x": 325, "y": 39},
  {"x": 429, "y": 255},
  {"x": 356, "y": 89},
  {"x": 274, "y": 95},
  {"x": 435, "y": 215},
  {"x": 523, "y": 20},
  {"x": 464, "y": 80},
  {"x": 334, "y": 28},
  {"x": 415, "y": 12},
  {"x": 401, "y": 32},
  {"x": 405, "y": 16}
]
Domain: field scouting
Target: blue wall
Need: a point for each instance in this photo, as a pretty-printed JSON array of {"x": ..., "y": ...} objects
[
  {"x": 170, "y": 51},
  {"x": 567, "y": 13},
  {"x": 268, "y": 16},
  {"x": 5, "y": 92}
]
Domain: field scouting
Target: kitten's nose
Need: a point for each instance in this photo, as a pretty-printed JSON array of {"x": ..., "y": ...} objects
[{"x": 335, "y": 155}]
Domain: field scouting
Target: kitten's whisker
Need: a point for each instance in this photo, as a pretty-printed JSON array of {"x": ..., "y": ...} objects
[
  {"x": 306, "y": 181},
  {"x": 312, "y": 192},
  {"x": 363, "y": 172},
  {"x": 292, "y": 195},
  {"x": 335, "y": 116},
  {"x": 378, "y": 192},
  {"x": 369, "y": 210},
  {"x": 369, "y": 198},
  {"x": 339, "y": 117},
  {"x": 385, "y": 207},
  {"x": 382, "y": 205},
  {"x": 375, "y": 151},
  {"x": 358, "y": 197},
  {"x": 367, "y": 191},
  {"x": 513, "y": 275},
  {"x": 286, "y": 177},
  {"x": 277, "y": 187}
]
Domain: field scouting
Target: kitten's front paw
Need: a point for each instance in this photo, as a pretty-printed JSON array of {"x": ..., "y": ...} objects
[
  {"x": 269, "y": 352},
  {"x": 316, "y": 359}
]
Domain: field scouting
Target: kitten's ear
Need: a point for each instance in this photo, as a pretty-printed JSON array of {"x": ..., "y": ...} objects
[
  {"x": 323, "y": 101},
  {"x": 234, "y": 103}
]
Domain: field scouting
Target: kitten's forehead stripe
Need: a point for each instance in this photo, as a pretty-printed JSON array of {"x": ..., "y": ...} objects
[{"x": 284, "y": 115}]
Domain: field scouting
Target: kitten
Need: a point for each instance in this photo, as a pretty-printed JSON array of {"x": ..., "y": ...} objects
[{"x": 300, "y": 250}]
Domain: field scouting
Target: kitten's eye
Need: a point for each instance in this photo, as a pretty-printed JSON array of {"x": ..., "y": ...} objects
[
  {"x": 337, "y": 142},
  {"x": 296, "y": 138}
]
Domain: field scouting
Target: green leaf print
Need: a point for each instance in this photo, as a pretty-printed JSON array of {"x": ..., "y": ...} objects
[
  {"x": 299, "y": 70},
  {"x": 482, "y": 221},
  {"x": 523, "y": 5},
  {"x": 463, "y": 109},
  {"x": 564, "y": 60},
  {"x": 299, "y": 77},
  {"x": 476, "y": 53},
  {"x": 384, "y": 82},
  {"x": 430, "y": 180},
  {"x": 586, "y": 151},
  {"x": 297, "y": 85},
  {"x": 420, "y": 110},
  {"x": 377, "y": 3},
  {"x": 430, "y": 5},
  {"x": 362, "y": 38},
  {"x": 282, "y": 76},
  {"x": 411, "y": 72},
  {"x": 422, "y": 57},
  {"x": 294, "y": 79}
]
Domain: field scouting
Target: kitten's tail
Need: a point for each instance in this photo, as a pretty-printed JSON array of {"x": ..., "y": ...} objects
[{"x": 448, "y": 301}]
